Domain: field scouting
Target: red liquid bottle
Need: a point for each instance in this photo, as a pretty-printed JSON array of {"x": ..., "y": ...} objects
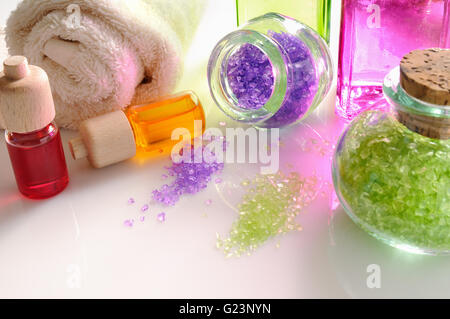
[
  {"x": 33, "y": 139},
  {"x": 50, "y": 176}
]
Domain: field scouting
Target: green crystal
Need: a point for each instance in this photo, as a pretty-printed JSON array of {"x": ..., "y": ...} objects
[
  {"x": 269, "y": 208},
  {"x": 396, "y": 182}
]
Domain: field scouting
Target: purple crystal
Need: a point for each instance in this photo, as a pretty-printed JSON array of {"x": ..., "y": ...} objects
[
  {"x": 162, "y": 217},
  {"x": 144, "y": 208},
  {"x": 301, "y": 87},
  {"x": 131, "y": 201},
  {"x": 128, "y": 223},
  {"x": 190, "y": 178},
  {"x": 251, "y": 78}
]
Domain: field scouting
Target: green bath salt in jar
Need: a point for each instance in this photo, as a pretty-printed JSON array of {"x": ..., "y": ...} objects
[{"x": 391, "y": 169}]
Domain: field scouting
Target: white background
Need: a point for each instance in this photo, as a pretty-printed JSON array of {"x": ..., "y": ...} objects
[{"x": 75, "y": 245}]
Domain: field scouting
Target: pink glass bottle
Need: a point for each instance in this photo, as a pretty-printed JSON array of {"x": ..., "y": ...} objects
[
  {"x": 33, "y": 139},
  {"x": 375, "y": 35}
]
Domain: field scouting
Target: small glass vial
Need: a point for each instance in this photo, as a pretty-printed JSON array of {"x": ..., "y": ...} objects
[
  {"x": 314, "y": 13},
  {"x": 117, "y": 136},
  {"x": 33, "y": 139},
  {"x": 375, "y": 35},
  {"x": 271, "y": 72},
  {"x": 391, "y": 168}
]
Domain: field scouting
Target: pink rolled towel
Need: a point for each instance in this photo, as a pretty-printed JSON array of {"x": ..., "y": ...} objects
[{"x": 103, "y": 55}]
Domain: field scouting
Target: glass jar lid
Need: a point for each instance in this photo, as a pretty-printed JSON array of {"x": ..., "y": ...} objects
[
  {"x": 399, "y": 98},
  {"x": 427, "y": 119}
]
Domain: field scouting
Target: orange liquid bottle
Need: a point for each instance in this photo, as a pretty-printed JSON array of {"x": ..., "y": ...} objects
[{"x": 141, "y": 129}]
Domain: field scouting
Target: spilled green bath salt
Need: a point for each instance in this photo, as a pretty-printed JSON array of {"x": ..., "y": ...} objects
[
  {"x": 268, "y": 209},
  {"x": 396, "y": 182}
]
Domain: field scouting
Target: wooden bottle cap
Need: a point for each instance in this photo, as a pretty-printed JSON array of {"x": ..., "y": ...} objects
[
  {"x": 105, "y": 140},
  {"x": 25, "y": 95},
  {"x": 425, "y": 75},
  {"x": 16, "y": 67}
]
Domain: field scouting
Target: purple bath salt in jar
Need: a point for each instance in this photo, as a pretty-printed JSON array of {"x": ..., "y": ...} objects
[{"x": 271, "y": 72}]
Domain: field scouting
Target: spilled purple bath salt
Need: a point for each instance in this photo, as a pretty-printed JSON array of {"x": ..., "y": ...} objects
[
  {"x": 208, "y": 202},
  {"x": 128, "y": 223},
  {"x": 190, "y": 178},
  {"x": 162, "y": 217},
  {"x": 251, "y": 78}
]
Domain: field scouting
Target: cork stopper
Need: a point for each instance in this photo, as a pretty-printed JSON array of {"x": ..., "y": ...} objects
[
  {"x": 26, "y": 98},
  {"x": 425, "y": 75},
  {"x": 104, "y": 140}
]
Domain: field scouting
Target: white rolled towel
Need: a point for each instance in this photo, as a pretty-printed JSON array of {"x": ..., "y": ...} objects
[{"x": 103, "y": 55}]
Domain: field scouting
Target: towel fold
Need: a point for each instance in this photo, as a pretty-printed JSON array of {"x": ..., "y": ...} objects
[{"x": 103, "y": 55}]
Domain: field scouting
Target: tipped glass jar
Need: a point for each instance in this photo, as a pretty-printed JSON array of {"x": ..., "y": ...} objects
[
  {"x": 391, "y": 172},
  {"x": 271, "y": 72}
]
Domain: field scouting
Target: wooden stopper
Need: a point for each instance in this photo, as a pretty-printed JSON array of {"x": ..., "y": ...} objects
[
  {"x": 425, "y": 125},
  {"x": 425, "y": 75},
  {"x": 26, "y": 98},
  {"x": 78, "y": 149},
  {"x": 104, "y": 140},
  {"x": 16, "y": 67}
]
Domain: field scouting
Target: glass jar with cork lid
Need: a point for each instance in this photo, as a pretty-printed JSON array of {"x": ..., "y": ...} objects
[{"x": 391, "y": 169}]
